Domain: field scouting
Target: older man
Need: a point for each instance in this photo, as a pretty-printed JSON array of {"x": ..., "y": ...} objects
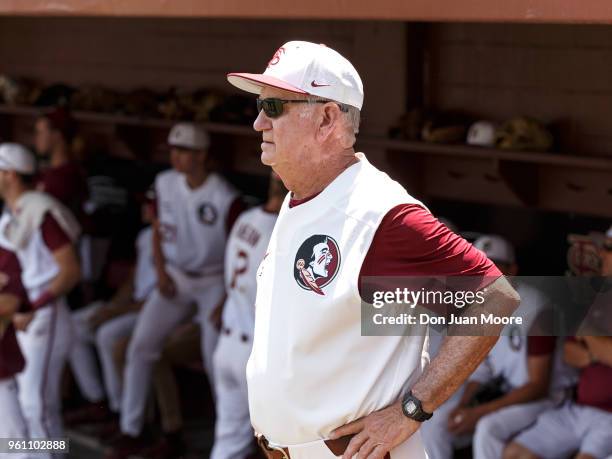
[{"x": 314, "y": 382}]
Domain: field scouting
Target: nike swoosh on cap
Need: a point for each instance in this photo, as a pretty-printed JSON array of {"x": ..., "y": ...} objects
[{"x": 317, "y": 85}]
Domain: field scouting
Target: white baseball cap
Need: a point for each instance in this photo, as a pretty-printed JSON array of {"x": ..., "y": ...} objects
[
  {"x": 481, "y": 133},
  {"x": 306, "y": 68},
  {"x": 188, "y": 135},
  {"x": 16, "y": 157},
  {"x": 496, "y": 248}
]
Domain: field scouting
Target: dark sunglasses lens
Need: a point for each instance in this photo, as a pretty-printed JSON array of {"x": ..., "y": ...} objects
[{"x": 271, "y": 107}]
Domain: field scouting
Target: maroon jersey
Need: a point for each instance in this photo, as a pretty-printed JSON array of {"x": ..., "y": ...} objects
[
  {"x": 11, "y": 359},
  {"x": 67, "y": 184},
  {"x": 595, "y": 386}
]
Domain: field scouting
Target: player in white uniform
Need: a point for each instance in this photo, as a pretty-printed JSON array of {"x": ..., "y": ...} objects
[
  {"x": 104, "y": 323},
  {"x": 13, "y": 298},
  {"x": 311, "y": 373},
  {"x": 194, "y": 207},
  {"x": 41, "y": 232},
  {"x": 245, "y": 249},
  {"x": 533, "y": 379},
  {"x": 580, "y": 427}
]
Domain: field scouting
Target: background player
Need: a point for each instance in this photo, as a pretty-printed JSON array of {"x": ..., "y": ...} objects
[
  {"x": 580, "y": 427},
  {"x": 196, "y": 208},
  {"x": 13, "y": 298},
  {"x": 42, "y": 233},
  {"x": 246, "y": 248},
  {"x": 104, "y": 323}
]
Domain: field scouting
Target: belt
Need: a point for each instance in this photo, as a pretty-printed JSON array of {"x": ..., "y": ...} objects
[{"x": 337, "y": 447}]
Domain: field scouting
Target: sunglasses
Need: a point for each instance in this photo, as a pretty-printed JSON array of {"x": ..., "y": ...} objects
[{"x": 273, "y": 107}]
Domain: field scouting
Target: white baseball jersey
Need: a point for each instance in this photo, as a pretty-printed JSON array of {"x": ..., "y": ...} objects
[
  {"x": 38, "y": 264},
  {"x": 193, "y": 221},
  {"x": 310, "y": 370},
  {"x": 508, "y": 358},
  {"x": 145, "y": 277},
  {"x": 46, "y": 342},
  {"x": 245, "y": 249}
]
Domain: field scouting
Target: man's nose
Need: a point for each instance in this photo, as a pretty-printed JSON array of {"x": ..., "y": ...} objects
[{"x": 262, "y": 122}]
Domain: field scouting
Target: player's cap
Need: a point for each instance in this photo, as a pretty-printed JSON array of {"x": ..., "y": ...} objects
[
  {"x": 306, "y": 68},
  {"x": 482, "y": 134},
  {"x": 498, "y": 249},
  {"x": 16, "y": 157},
  {"x": 188, "y": 135}
]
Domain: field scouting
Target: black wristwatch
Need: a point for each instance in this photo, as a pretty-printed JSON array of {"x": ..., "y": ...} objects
[{"x": 413, "y": 409}]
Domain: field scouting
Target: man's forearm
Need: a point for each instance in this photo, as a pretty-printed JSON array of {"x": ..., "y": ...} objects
[
  {"x": 69, "y": 272},
  {"x": 459, "y": 356},
  {"x": 457, "y": 359},
  {"x": 158, "y": 254},
  {"x": 64, "y": 282}
]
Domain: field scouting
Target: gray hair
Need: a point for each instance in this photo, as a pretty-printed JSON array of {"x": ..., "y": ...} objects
[{"x": 352, "y": 115}]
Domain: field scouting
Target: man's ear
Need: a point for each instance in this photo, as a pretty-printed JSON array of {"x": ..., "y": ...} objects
[{"x": 329, "y": 117}]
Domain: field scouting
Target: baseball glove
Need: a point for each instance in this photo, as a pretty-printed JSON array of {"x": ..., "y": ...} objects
[{"x": 524, "y": 134}]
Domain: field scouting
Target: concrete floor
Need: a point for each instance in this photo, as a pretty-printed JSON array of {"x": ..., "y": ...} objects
[{"x": 198, "y": 436}]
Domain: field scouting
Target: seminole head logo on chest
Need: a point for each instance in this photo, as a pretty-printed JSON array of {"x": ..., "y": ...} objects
[{"x": 317, "y": 262}]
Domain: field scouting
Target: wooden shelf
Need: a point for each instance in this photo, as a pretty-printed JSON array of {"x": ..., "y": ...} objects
[
  {"x": 552, "y": 181},
  {"x": 421, "y": 148},
  {"x": 466, "y": 151},
  {"x": 125, "y": 120}
]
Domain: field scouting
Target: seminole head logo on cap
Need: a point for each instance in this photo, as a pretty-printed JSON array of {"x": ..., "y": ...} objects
[
  {"x": 277, "y": 55},
  {"x": 316, "y": 263}
]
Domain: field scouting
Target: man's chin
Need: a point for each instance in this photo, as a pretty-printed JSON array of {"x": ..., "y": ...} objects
[{"x": 267, "y": 159}]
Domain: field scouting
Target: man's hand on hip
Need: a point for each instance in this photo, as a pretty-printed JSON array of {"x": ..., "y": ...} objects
[{"x": 378, "y": 433}]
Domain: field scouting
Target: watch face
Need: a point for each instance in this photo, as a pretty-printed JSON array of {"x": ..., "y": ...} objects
[{"x": 411, "y": 407}]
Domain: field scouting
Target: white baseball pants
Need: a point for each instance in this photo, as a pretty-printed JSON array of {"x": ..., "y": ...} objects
[
  {"x": 45, "y": 345},
  {"x": 233, "y": 431},
  {"x": 82, "y": 357},
  {"x": 158, "y": 317},
  {"x": 495, "y": 430},
  {"x": 13, "y": 424},
  {"x": 107, "y": 335}
]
